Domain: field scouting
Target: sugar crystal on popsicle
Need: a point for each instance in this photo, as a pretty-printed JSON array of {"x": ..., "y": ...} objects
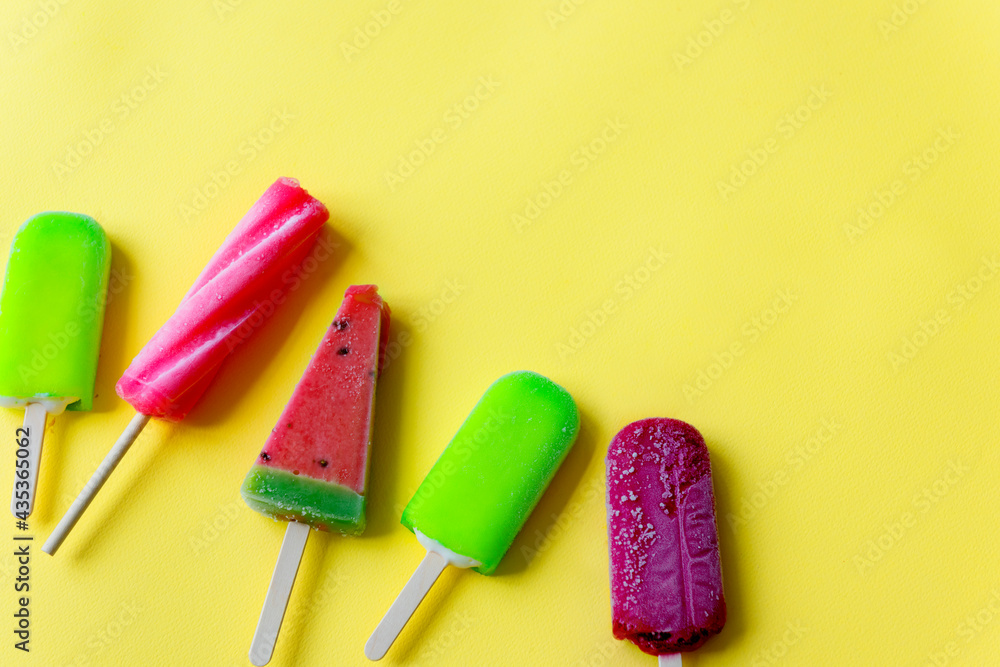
[
  {"x": 314, "y": 466},
  {"x": 666, "y": 574},
  {"x": 245, "y": 279},
  {"x": 313, "y": 469}
]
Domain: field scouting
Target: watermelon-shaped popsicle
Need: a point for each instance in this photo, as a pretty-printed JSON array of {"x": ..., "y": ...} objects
[
  {"x": 314, "y": 466},
  {"x": 313, "y": 469}
]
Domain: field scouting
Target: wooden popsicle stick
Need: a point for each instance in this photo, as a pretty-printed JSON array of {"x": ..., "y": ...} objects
[
  {"x": 34, "y": 425},
  {"x": 670, "y": 660},
  {"x": 406, "y": 603},
  {"x": 276, "y": 600},
  {"x": 97, "y": 480}
]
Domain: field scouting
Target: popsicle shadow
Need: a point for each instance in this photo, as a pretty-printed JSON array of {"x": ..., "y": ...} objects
[
  {"x": 723, "y": 478},
  {"x": 114, "y": 358},
  {"x": 83, "y": 542},
  {"x": 50, "y": 472},
  {"x": 414, "y": 636},
  {"x": 540, "y": 527},
  {"x": 382, "y": 516},
  {"x": 302, "y": 600},
  {"x": 418, "y": 633},
  {"x": 247, "y": 362},
  {"x": 244, "y": 369}
]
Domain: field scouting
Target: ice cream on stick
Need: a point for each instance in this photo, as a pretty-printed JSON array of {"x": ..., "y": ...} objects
[
  {"x": 51, "y": 316},
  {"x": 666, "y": 576},
  {"x": 224, "y": 306},
  {"x": 476, "y": 498},
  {"x": 172, "y": 371},
  {"x": 313, "y": 469}
]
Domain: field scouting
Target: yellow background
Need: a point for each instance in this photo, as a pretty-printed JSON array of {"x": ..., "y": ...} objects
[{"x": 169, "y": 566}]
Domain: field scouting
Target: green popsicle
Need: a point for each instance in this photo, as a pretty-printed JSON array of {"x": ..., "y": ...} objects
[
  {"x": 51, "y": 316},
  {"x": 486, "y": 482},
  {"x": 52, "y": 310},
  {"x": 476, "y": 498}
]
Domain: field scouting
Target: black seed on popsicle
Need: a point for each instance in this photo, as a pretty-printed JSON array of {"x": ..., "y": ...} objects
[
  {"x": 342, "y": 351},
  {"x": 264, "y": 456},
  {"x": 323, "y": 463},
  {"x": 340, "y": 324}
]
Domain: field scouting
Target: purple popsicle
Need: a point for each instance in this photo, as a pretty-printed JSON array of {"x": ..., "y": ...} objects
[{"x": 666, "y": 577}]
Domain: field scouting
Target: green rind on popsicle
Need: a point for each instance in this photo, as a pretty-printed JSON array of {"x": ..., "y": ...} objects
[
  {"x": 52, "y": 309},
  {"x": 480, "y": 492},
  {"x": 321, "y": 504}
]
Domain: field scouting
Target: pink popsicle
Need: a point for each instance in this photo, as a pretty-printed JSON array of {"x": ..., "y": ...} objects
[
  {"x": 666, "y": 576},
  {"x": 226, "y": 303},
  {"x": 242, "y": 283}
]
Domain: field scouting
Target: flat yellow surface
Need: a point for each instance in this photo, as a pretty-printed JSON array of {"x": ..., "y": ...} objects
[{"x": 774, "y": 220}]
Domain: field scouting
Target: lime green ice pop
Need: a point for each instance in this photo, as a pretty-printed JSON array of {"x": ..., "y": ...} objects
[
  {"x": 476, "y": 498},
  {"x": 51, "y": 316}
]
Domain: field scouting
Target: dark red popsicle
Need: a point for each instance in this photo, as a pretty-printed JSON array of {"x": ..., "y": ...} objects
[{"x": 666, "y": 577}]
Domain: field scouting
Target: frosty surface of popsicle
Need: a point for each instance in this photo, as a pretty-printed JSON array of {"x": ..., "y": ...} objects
[
  {"x": 243, "y": 281},
  {"x": 486, "y": 482},
  {"x": 666, "y": 576},
  {"x": 52, "y": 312},
  {"x": 314, "y": 466},
  {"x": 241, "y": 285}
]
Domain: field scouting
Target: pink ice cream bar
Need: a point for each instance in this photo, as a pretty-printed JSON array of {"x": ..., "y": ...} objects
[
  {"x": 242, "y": 283},
  {"x": 666, "y": 576},
  {"x": 175, "y": 367}
]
